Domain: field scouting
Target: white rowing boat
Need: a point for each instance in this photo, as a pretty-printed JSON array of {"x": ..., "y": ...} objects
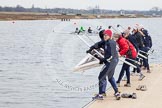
[{"x": 88, "y": 62}]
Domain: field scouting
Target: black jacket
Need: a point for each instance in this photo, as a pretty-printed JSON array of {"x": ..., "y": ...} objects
[
  {"x": 139, "y": 39},
  {"x": 133, "y": 40},
  {"x": 147, "y": 39}
]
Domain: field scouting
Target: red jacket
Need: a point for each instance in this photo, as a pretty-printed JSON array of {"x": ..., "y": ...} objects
[{"x": 124, "y": 46}]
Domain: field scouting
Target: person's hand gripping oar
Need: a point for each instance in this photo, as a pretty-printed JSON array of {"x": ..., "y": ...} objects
[{"x": 102, "y": 57}]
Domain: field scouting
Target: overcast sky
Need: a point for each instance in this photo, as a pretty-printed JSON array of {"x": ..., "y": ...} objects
[{"x": 84, "y": 4}]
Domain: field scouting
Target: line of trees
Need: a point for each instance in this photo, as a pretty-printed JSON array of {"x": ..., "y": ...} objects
[{"x": 19, "y": 8}]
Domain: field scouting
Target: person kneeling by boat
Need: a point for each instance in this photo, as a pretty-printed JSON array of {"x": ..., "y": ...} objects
[
  {"x": 81, "y": 30},
  {"x": 76, "y": 30},
  {"x": 89, "y": 30},
  {"x": 110, "y": 60}
]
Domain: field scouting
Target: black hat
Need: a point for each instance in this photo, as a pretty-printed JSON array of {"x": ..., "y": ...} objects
[
  {"x": 101, "y": 34},
  {"x": 145, "y": 32}
]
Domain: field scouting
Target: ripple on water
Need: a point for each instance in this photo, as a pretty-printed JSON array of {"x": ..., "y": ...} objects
[{"x": 33, "y": 58}]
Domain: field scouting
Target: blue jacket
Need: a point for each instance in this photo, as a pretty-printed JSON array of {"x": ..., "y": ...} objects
[{"x": 109, "y": 48}]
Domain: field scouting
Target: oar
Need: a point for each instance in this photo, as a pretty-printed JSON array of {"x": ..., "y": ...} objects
[
  {"x": 90, "y": 46},
  {"x": 65, "y": 32},
  {"x": 142, "y": 55},
  {"x": 128, "y": 63},
  {"x": 90, "y": 39},
  {"x": 121, "y": 26},
  {"x": 135, "y": 61},
  {"x": 144, "y": 52},
  {"x": 151, "y": 51},
  {"x": 113, "y": 28},
  {"x": 120, "y": 29}
]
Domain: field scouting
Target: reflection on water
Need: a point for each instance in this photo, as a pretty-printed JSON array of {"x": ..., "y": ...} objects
[{"x": 36, "y": 63}]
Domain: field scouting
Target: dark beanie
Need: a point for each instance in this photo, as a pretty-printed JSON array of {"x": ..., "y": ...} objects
[
  {"x": 101, "y": 34},
  {"x": 145, "y": 32}
]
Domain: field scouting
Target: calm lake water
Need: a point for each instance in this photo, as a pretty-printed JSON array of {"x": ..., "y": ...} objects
[{"x": 36, "y": 63}]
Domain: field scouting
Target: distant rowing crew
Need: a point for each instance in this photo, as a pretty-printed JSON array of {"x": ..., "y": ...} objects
[
  {"x": 82, "y": 30},
  {"x": 133, "y": 46}
]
